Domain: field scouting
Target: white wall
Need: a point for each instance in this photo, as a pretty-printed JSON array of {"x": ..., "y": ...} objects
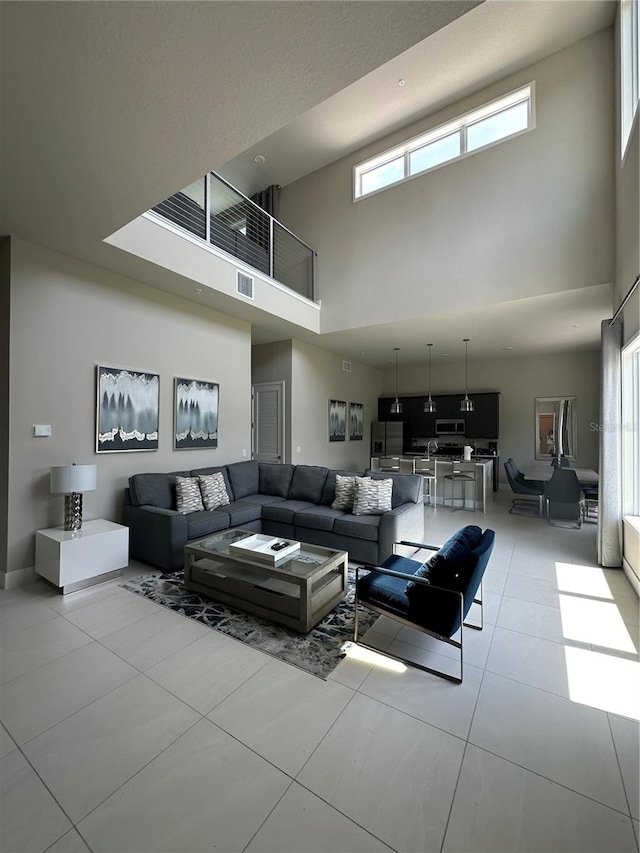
[
  {"x": 530, "y": 216},
  {"x": 520, "y": 381},
  {"x": 66, "y": 318}
]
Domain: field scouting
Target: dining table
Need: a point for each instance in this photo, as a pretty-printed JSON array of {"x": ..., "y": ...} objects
[{"x": 586, "y": 476}]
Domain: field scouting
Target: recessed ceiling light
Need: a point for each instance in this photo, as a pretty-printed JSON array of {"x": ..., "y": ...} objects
[
  {"x": 444, "y": 355},
  {"x": 259, "y": 158},
  {"x": 401, "y": 82},
  {"x": 198, "y": 290},
  {"x": 507, "y": 348}
]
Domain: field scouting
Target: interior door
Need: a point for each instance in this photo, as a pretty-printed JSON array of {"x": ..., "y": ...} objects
[{"x": 267, "y": 435}]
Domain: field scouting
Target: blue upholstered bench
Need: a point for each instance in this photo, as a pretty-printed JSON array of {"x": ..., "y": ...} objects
[{"x": 434, "y": 596}]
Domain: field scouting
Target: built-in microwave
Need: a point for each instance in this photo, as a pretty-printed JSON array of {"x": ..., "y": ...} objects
[{"x": 450, "y": 427}]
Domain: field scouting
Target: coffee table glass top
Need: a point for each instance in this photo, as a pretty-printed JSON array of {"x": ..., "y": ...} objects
[{"x": 302, "y": 564}]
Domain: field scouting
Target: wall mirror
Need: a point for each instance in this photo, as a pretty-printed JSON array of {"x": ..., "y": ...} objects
[{"x": 556, "y": 427}]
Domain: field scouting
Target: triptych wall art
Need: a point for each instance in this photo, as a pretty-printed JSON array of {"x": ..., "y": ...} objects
[
  {"x": 338, "y": 420},
  {"x": 128, "y": 411}
]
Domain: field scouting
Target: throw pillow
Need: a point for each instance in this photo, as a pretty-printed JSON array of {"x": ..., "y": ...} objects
[
  {"x": 372, "y": 497},
  {"x": 188, "y": 497},
  {"x": 345, "y": 490},
  {"x": 214, "y": 490}
]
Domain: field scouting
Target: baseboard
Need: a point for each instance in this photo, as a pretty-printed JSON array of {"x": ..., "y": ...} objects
[{"x": 21, "y": 577}]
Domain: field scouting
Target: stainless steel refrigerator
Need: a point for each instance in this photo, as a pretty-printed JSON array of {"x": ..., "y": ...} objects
[{"x": 386, "y": 438}]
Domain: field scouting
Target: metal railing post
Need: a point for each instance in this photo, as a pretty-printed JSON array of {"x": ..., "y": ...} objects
[
  {"x": 207, "y": 208},
  {"x": 272, "y": 247}
]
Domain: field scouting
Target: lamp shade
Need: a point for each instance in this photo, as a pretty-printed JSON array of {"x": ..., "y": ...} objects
[{"x": 73, "y": 478}]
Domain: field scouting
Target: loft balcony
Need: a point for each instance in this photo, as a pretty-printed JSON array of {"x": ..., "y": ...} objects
[{"x": 215, "y": 212}]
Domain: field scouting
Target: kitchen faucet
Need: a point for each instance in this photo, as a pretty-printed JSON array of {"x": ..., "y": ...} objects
[{"x": 432, "y": 441}]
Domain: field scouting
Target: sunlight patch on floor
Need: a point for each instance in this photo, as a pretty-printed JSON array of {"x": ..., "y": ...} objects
[
  {"x": 374, "y": 658},
  {"x": 583, "y": 580},
  {"x": 598, "y": 623},
  {"x": 603, "y": 681}
]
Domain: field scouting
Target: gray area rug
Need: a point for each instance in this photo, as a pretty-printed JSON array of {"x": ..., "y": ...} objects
[{"x": 318, "y": 652}]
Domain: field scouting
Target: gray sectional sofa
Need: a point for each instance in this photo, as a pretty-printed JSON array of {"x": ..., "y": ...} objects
[{"x": 291, "y": 501}]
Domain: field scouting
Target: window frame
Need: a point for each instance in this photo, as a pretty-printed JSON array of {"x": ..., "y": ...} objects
[
  {"x": 458, "y": 125},
  {"x": 629, "y": 71},
  {"x": 630, "y": 427}
]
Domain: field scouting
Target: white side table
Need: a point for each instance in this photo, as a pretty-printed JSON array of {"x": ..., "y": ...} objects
[{"x": 72, "y": 559}]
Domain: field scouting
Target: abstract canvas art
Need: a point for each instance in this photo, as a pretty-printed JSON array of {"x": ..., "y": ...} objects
[
  {"x": 127, "y": 411},
  {"x": 196, "y": 414},
  {"x": 337, "y": 420},
  {"x": 356, "y": 421}
]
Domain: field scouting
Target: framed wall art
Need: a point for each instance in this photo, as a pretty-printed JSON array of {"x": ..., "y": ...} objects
[
  {"x": 127, "y": 410},
  {"x": 356, "y": 421},
  {"x": 195, "y": 414},
  {"x": 337, "y": 420}
]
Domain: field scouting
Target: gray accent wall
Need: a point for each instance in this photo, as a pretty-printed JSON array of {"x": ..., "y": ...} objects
[
  {"x": 526, "y": 217},
  {"x": 67, "y": 317}
]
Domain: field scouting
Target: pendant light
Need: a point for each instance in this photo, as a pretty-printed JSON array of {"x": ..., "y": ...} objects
[
  {"x": 466, "y": 405},
  {"x": 430, "y": 405},
  {"x": 396, "y": 408}
]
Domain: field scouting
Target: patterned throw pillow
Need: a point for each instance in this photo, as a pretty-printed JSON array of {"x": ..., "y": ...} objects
[
  {"x": 345, "y": 490},
  {"x": 214, "y": 490},
  {"x": 372, "y": 497},
  {"x": 188, "y": 497}
]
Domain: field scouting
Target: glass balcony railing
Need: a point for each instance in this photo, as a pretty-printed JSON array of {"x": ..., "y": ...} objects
[{"x": 214, "y": 211}]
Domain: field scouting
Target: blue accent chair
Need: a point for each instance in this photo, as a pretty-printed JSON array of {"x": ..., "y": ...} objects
[{"x": 433, "y": 596}]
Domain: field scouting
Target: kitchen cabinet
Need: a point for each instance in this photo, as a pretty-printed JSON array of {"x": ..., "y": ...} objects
[{"x": 484, "y": 421}]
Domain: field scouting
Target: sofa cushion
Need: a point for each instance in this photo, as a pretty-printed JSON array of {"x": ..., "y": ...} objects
[
  {"x": 205, "y": 523},
  {"x": 329, "y": 490},
  {"x": 345, "y": 492},
  {"x": 358, "y": 526},
  {"x": 307, "y": 483},
  {"x": 241, "y": 512},
  {"x": 284, "y": 511},
  {"x": 372, "y": 497},
  {"x": 188, "y": 495},
  {"x": 244, "y": 478},
  {"x": 155, "y": 489},
  {"x": 274, "y": 479},
  {"x": 214, "y": 491},
  {"x": 318, "y": 517},
  {"x": 407, "y": 488}
]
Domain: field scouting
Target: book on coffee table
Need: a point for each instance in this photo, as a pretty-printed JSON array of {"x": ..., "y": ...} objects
[{"x": 271, "y": 549}]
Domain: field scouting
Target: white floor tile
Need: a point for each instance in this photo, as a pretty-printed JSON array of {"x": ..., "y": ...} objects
[
  {"x": 282, "y": 713},
  {"x": 388, "y": 772},
  {"x": 476, "y": 643},
  {"x": 41, "y": 698},
  {"x": 352, "y": 670},
  {"x": 69, "y": 843},
  {"x": 205, "y": 792},
  {"x": 134, "y": 722},
  {"x": 539, "y": 620},
  {"x": 576, "y": 750},
  {"x": 116, "y": 611},
  {"x": 32, "y": 647},
  {"x": 531, "y": 660},
  {"x": 205, "y": 672},
  {"x": 30, "y": 819},
  {"x": 7, "y": 744},
  {"x": 21, "y": 614},
  {"x": 302, "y": 823},
  {"x": 537, "y": 590},
  {"x": 626, "y": 736},
  {"x": 428, "y": 697},
  {"x": 64, "y": 604},
  {"x": 502, "y": 808},
  {"x": 153, "y": 638}
]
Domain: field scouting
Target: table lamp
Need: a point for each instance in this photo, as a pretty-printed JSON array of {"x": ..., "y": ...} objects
[{"x": 72, "y": 480}]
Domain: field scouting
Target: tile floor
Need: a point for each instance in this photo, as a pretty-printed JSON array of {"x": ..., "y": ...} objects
[{"x": 126, "y": 727}]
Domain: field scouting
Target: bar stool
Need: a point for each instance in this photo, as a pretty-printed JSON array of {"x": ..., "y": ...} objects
[
  {"x": 426, "y": 467},
  {"x": 457, "y": 475}
]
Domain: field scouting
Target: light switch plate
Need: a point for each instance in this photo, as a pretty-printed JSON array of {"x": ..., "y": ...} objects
[{"x": 42, "y": 430}]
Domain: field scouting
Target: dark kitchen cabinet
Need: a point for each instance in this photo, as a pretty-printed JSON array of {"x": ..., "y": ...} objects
[{"x": 484, "y": 421}]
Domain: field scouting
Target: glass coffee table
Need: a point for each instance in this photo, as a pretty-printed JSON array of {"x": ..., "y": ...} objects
[{"x": 297, "y": 590}]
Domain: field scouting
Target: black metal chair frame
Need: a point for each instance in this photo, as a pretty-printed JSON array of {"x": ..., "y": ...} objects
[{"x": 409, "y": 624}]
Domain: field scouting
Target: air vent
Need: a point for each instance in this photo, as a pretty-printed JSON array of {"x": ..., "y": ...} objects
[
  {"x": 346, "y": 366},
  {"x": 244, "y": 284}
]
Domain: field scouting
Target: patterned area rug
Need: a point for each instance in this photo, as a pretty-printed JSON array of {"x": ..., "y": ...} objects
[{"x": 318, "y": 652}]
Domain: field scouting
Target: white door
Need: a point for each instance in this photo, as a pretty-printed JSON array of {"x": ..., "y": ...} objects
[{"x": 268, "y": 421}]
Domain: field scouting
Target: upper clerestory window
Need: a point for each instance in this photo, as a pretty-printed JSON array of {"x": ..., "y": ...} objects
[{"x": 494, "y": 122}]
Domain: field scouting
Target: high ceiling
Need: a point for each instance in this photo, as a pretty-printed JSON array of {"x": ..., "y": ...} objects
[{"x": 109, "y": 107}]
